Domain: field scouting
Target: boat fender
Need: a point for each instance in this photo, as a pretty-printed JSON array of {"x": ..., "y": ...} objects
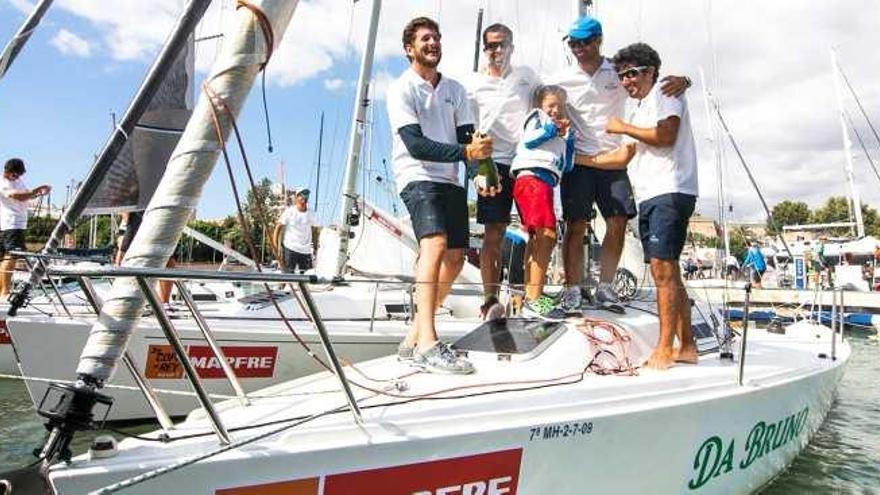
[{"x": 103, "y": 447}]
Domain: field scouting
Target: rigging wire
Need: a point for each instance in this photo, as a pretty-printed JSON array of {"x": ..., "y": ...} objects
[
  {"x": 749, "y": 173},
  {"x": 858, "y": 102},
  {"x": 266, "y": 112},
  {"x": 861, "y": 143}
]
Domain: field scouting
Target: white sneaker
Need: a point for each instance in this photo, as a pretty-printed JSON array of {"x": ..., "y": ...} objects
[{"x": 440, "y": 358}]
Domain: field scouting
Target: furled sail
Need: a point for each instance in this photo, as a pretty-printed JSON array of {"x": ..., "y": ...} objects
[
  {"x": 130, "y": 182},
  {"x": 258, "y": 25}
]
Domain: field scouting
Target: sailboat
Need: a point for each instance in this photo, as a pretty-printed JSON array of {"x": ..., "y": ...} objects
[
  {"x": 552, "y": 407},
  {"x": 365, "y": 320}
]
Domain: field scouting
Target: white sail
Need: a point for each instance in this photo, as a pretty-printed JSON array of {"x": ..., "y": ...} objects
[
  {"x": 245, "y": 50},
  {"x": 130, "y": 182}
]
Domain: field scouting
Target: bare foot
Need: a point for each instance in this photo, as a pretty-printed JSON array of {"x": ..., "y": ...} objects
[
  {"x": 660, "y": 359},
  {"x": 686, "y": 354}
]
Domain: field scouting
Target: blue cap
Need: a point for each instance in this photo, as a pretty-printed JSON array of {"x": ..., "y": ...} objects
[{"x": 585, "y": 28}]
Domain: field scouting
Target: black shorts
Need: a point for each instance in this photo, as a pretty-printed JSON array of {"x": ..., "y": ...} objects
[
  {"x": 134, "y": 223},
  {"x": 663, "y": 224},
  {"x": 297, "y": 261},
  {"x": 610, "y": 189},
  {"x": 438, "y": 208},
  {"x": 11, "y": 240},
  {"x": 496, "y": 209}
]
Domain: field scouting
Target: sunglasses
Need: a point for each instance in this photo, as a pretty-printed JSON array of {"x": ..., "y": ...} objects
[
  {"x": 631, "y": 72},
  {"x": 496, "y": 45},
  {"x": 573, "y": 43}
]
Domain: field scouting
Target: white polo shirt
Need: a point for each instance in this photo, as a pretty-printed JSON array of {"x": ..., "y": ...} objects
[
  {"x": 13, "y": 213},
  {"x": 591, "y": 101},
  {"x": 439, "y": 111},
  {"x": 506, "y": 101},
  {"x": 657, "y": 170}
]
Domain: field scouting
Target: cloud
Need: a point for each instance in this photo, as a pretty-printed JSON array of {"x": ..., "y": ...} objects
[
  {"x": 333, "y": 85},
  {"x": 772, "y": 76},
  {"x": 22, "y": 5},
  {"x": 70, "y": 44},
  {"x": 132, "y": 29},
  {"x": 380, "y": 83}
]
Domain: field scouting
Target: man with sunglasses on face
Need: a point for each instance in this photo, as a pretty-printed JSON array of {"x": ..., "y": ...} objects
[
  {"x": 664, "y": 173},
  {"x": 594, "y": 96},
  {"x": 433, "y": 132},
  {"x": 502, "y": 97}
]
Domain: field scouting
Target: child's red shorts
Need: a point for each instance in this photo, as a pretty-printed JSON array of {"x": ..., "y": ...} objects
[{"x": 534, "y": 201}]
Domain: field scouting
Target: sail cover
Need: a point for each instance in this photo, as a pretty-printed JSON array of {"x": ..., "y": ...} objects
[{"x": 134, "y": 176}]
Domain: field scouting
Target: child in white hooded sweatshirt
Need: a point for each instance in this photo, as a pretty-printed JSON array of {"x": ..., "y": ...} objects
[{"x": 544, "y": 153}]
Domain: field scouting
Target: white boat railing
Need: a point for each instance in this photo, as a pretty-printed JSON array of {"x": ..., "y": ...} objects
[{"x": 145, "y": 278}]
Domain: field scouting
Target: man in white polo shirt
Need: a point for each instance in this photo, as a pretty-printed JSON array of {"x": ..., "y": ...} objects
[
  {"x": 14, "y": 197},
  {"x": 502, "y": 95},
  {"x": 664, "y": 176},
  {"x": 293, "y": 233},
  {"x": 594, "y": 96},
  {"x": 432, "y": 126}
]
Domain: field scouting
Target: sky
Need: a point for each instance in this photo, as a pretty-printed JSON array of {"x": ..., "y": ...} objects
[{"x": 767, "y": 63}]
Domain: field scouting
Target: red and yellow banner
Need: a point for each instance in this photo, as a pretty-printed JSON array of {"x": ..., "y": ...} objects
[{"x": 246, "y": 361}]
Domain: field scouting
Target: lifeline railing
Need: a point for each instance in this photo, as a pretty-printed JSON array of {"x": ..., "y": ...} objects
[{"x": 145, "y": 278}]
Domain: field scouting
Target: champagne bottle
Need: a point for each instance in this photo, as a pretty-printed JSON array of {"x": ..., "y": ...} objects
[{"x": 486, "y": 168}]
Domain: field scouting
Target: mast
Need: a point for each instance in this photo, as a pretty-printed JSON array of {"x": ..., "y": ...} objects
[
  {"x": 855, "y": 200},
  {"x": 362, "y": 101},
  {"x": 163, "y": 65},
  {"x": 320, "y": 152},
  {"x": 477, "y": 40},
  {"x": 249, "y": 42},
  {"x": 714, "y": 138},
  {"x": 21, "y": 37},
  {"x": 584, "y": 7}
]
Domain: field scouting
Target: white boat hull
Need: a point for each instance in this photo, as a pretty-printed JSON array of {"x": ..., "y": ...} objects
[{"x": 690, "y": 429}]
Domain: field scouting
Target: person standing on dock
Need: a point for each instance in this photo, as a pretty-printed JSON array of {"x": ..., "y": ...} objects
[
  {"x": 14, "y": 197},
  {"x": 754, "y": 264},
  {"x": 664, "y": 175},
  {"x": 433, "y": 132},
  {"x": 501, "y": 93}
]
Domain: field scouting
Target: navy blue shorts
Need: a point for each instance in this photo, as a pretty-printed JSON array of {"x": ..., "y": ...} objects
[
  {"x": 438, "y": 208},
  {"x": 663, "y": 224},
  {"x": 295, "y": 261},
  {"x": 610, "y": 189},
  {"x": 496, "y": 209},
  {"x": 11, "y": 240}
]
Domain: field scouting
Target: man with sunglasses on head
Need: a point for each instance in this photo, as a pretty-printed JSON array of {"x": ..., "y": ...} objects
[
  {"x": 433, "y": 132},
  {"x": 594, "y": 96},
  {"x": 664, "y": 173},
  {"x": 501, "y": 94}
]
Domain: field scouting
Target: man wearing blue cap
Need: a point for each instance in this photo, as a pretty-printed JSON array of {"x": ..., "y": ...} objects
[{"x": 595, "y": 95}]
